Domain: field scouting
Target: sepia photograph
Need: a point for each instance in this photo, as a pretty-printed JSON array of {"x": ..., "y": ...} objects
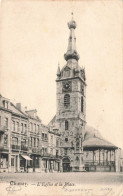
[{"x": 61, "y": 97}]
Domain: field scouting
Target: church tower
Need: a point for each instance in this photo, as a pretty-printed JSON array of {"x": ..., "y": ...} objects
[{"x": 71, "y": 105}]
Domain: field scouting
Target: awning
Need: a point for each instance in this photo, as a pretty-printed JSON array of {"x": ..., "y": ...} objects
[{"x": 26, "y": 157}]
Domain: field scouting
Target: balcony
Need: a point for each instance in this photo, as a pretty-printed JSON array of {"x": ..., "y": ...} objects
[
  {"x": 45, "y": 139},
  {"x": 24, "y": 148},
  {"x": 36, "y": 150},
  {"x": 2, "y": 129},
  {"x": 15, "y": 147}
]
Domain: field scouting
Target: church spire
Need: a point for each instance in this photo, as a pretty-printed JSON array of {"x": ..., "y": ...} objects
[{"x": 71, "y": 50}]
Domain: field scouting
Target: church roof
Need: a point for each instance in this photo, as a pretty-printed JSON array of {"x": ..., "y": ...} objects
[{"x": 92, "y": 137}]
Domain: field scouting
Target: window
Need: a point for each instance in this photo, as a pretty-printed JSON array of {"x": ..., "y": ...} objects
[
  {"x": 77, "y": 158},
  {"x": 51, "y": 139},
  {"x": 67, "y": 100},
  {"x": 66, "y": 139},
  {"x": 66, "y": 125},
  {"x": 35, "y": 128},
  {"x": 51, "y": 151},
  {"x": 57, "y": 153},
  {"x": 57, "y": 143},
  {"x": 67, "y": 73},
  {"x": 5, "y": 104},
  {"x": 17, "y": 126},
  {"x": 5, "y": 139},
  {"x": 46, "y": 137},
  {"x": 65, "y": 151},
  {"x": 15, "y": 141},
  {"x": 38, "y": 128},
  {"x": 34, "y": 142},
  {"x": 25, "y": 128},
  {"x": 6, "y": 122},
  {"x": 37, "y": 142},
  {"x": 22, "y": 127},
  {"x": 31, "y": 127},
  {"x": 13, "y": 124},
  {"x": 12, "y": 162},
  {"x": 23, "y": 142},
  {"x": 42, "y": 136},
  {"x": 82, "y": 104}
]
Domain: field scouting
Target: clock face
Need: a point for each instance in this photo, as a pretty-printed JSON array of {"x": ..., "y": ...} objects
[{"x": 67, "y": 86}]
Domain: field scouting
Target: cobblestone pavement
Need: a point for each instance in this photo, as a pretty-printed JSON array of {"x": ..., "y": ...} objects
[{"x": 83, "y": 177}]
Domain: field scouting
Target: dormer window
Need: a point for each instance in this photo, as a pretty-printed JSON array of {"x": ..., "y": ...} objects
[{"x": 5, "y": 104}]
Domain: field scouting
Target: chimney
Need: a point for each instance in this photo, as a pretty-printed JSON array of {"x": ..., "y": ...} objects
[{"x": 18, "y": 105}]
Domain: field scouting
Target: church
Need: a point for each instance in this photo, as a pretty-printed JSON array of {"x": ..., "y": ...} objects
[
  {"x": 82, "y": 147},
  {"x": 67, "y": 143}
]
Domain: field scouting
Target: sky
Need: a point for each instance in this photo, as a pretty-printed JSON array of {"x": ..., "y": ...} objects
[{"x": 33, "y": 40}]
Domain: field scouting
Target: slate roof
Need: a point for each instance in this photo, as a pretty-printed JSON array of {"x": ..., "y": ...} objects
[{"x": 15, "y": 110}]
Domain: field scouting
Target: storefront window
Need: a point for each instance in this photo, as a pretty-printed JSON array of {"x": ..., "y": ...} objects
[{"x": 12, "y": 161}]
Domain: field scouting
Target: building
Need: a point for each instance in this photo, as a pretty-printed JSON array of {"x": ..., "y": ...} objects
[
  {"x": 66, "y": 144},
  {"x": 26, "y": 145},
  {"x": 81, "y": 147}
]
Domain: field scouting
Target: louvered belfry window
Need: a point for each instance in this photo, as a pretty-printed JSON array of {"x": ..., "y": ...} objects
[
  {"x": 66, "y": 125},
  {"x": 67, "y": 100},
  {"x": 82, "y": 104}
]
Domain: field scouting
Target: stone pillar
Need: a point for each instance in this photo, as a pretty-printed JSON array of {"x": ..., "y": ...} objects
[
  {"x": 40, "y": 166},
  {"x": 47, "y": 165},
  {"x": 103, "y": 156},
  {"x": 26, "y": 166},
  {"x": 99, "y": 156},
  {"x": 107, "y": 156},
  {"x": 10, "y": 150},
  {"x": 60, "y": 166},
  {"x": 93, "y": 157},
  {"x": 9, "y": 162},
  {"x": 18, "y": 163},
  {"x": 114, "y": 160},
  {"x": 110, "y": 156}
]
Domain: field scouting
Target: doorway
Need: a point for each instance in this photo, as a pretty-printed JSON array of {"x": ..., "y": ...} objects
[{"x": 66, "y": 165}]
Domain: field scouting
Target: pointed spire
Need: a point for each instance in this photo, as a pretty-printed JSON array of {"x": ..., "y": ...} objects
[
  {"x": 71, "y": 50},
  {"x": 58, "y": 70}
]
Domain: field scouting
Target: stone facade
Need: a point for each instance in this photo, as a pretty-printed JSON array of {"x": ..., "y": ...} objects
[{"x": 25, "y": 143}]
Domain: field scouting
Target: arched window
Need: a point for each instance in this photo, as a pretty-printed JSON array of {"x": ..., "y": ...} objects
[
  {"x": 66, "y": 139},
  {"x": 66, "y": 125},
  {"x": 82, "y": 104},
  {"x": 67, "y": 100}
]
